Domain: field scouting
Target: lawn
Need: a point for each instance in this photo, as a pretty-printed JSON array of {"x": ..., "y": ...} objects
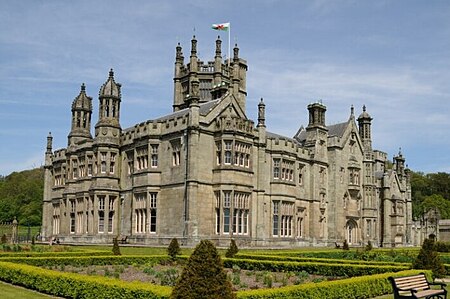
[{"x": 13, "y": 292}]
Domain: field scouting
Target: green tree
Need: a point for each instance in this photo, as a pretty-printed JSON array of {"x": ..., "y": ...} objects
[
  {"x": 116, "y": 248},
  {"x": 232, "y": 250},
  {"x": 203, "y": 276},
  {"x": 429, "y": 259},
  {"x": 174, "y": 249},
  {"x": 438, "y": 202},
  {"x": 21, "y": 196}
]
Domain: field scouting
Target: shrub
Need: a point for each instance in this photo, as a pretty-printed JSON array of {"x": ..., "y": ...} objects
[
  {"x": 203, "y": 276},
  {"x": 232, "y": 250},
  {"x": 369, "y": 246},
  {"x": 174, "y": 249},
  {"x": 3, "y": 240},
  {"x": 429, "y": 259},
  {"x": 345, "y": 245},
  {"x": 116, "y": 248}
]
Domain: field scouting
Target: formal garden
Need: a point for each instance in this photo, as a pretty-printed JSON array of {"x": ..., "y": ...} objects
[{"x": 174, "y": 272}]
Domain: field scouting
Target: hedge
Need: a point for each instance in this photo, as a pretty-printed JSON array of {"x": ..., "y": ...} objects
[
  {"x": 312, "y": 259},
  {"x": 83, "y": 261},
  {"x": 351, "y": 288},
  {"x": 327, "y": 269},
  {"x": 73, "y": 285},
  {"x": 56, "y": 253}
]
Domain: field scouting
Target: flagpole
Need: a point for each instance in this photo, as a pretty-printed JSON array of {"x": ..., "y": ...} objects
[{"x": 229, "y": 47}]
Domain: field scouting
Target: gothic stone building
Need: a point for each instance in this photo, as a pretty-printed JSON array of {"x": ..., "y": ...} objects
[{"x": 206, "y": 171}]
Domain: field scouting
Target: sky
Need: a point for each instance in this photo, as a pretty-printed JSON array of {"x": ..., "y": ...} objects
[{"x": 391, "y": 56}]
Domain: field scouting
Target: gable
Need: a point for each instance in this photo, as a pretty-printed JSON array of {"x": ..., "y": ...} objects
[{"x": 227, "y": 107}]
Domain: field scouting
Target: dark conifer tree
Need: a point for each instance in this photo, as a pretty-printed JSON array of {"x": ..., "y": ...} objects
[
  {"x": 203, "y": 276},
  {"x": 174, "y": 249},
  {"x": 429, "y": 259},
  {"x": 232, "y": 250}
]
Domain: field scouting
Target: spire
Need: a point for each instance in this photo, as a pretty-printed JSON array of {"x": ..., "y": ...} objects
[
  {"x": 109, "y": 98},
  {"x": 110, "y": 88},
  {"x": 81, "y": 117},
  {"x": 261, "y": 113}
]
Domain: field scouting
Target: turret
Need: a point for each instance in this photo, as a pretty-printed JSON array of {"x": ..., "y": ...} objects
[
  {"x": 316, "y": 131},
  {"x": 178, "y": 91},
  {"x": 107, "y": 129},
  {"x": 239, "y": 73},
  {"x": 399, "y": 162},
  {"x": 81, "y": 118},
  {"x": 365, "y": 122}
]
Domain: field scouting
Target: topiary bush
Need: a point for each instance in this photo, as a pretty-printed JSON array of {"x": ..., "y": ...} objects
[
  {"x": 232, "y": 250},
  {"x": 345, "y": 246},
  {"x": 116, "y": 248},
  {"x": 174, "y": 249},
  {"x": 203, "y": 276},
  {"x": 429, "y": 259},
  {"x": 369, "y": 246}
]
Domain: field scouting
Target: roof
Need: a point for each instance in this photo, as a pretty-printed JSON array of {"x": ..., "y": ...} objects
[
  {"x": 204, "y": 109},
  {"x": 337, "y": 129}
]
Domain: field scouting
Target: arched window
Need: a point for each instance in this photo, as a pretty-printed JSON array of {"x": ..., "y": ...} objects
[{"x": 351, "y": 229}]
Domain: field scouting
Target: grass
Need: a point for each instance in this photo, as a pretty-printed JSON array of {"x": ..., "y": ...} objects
[{"x": 8, "y": 291}]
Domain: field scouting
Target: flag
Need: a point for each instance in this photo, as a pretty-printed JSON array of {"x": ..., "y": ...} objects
[{"x": 222, "y": 27}]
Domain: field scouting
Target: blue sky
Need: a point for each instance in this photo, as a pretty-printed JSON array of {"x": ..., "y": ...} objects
[{"x": 392, "y": 56}]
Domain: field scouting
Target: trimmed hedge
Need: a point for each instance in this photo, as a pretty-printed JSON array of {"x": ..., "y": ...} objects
[
  {"x": 73, "y": 285},
  {"x": 312, "y": 259},
  {"x": 351, "y": 288},
  {"x": 55, "y": 254},
  {"x": 83, "y": 261},
  {"x": 327, "y": 269}
]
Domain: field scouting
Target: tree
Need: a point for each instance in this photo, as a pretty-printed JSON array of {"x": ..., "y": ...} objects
[
  {"x": 116, "y": 248},
  {"x": 174, "y": 249},
  {"x": 203, "y": 276},
  {"x": 429, "y": 259},
  {"x": 438, "y": 202},
  {"x": 345, "y": 246},
  {"x": 232, "y": 250}
]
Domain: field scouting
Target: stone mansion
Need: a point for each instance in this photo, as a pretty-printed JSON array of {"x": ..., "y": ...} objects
[{"x": 207, "y": 171}]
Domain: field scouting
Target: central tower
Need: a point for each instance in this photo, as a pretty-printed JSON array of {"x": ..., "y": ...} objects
[{"x": 215, "y": 77}]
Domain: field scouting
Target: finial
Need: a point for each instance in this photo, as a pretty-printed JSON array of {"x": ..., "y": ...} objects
[
  {"x": 261, "y": 113},
  {"x": 352, "y": 110},
  {"x": 49, "y": 143},
  {"x": 364, "y": 108},
  {"x": 193, "y": 46},
  {"x": 218, "y": 46},
  {"x": 111, "y": 73},
  {"x": 400, "y": 151},
  {"x": 83, "y": 87},
  {"x": 236, "y": 52}
]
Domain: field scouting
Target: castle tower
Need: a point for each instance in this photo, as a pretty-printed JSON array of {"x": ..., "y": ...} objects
[
  {"x": 215, "y": 77},
  {"x": 81, "y": 118},
  {"x": 107, "y": 129},
  {"x": 239, "y": 69},
  {"x": 365, "y": 122},
  {"x": 399, "y": 162},
  {"x": 316, "y": 129}
]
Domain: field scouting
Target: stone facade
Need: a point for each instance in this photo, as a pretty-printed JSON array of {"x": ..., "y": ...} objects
[{"x": 206, "y": 171}]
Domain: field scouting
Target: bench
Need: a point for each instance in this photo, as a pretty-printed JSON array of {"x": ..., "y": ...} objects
[
  {"x": 416, "y": 286},
  {"x": 123, "y": 239}
]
